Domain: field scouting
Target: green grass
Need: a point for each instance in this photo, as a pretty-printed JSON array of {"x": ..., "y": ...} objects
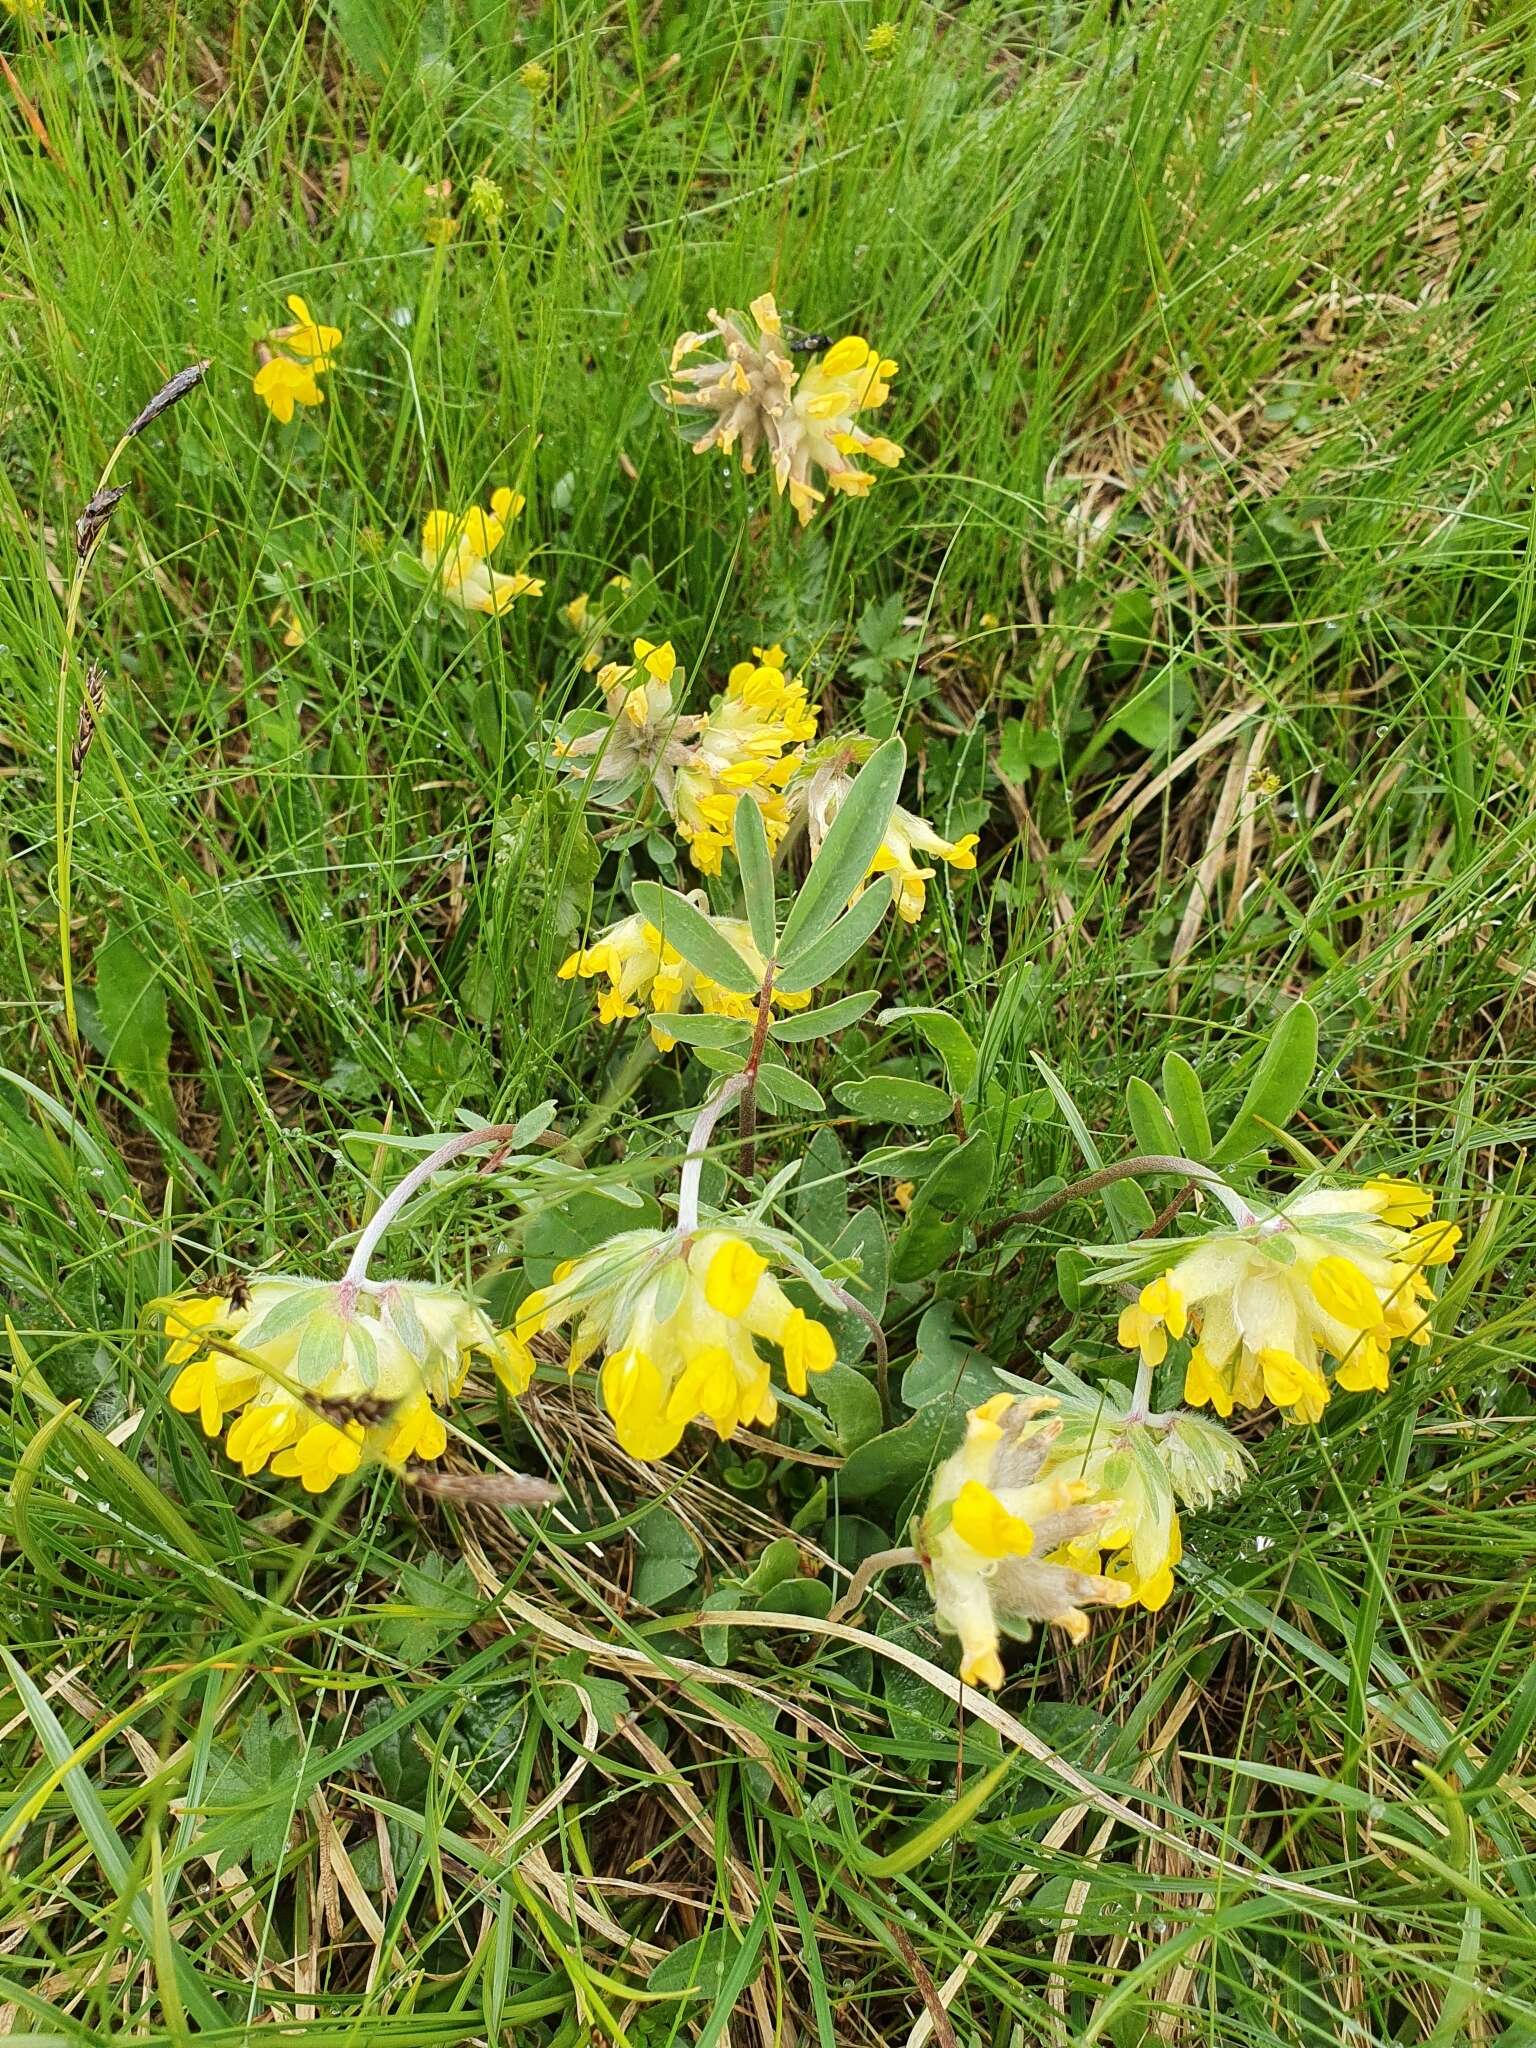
[{"x": 1216, "y": 531}]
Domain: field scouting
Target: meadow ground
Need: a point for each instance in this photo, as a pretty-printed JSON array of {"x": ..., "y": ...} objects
[{"x": 1204, "y": 595}]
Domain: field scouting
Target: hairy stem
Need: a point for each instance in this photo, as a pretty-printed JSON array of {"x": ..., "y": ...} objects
[
  {"x": 417, "y": 1178},
  {"x": 1145, "y": 1164},
  {"x": 698, "y": 1150}
]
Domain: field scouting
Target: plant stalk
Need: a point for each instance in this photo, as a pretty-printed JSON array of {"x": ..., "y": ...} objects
[
  {"x": 382, "y": 1217},
  {"x": 1146, "y": 1163}
]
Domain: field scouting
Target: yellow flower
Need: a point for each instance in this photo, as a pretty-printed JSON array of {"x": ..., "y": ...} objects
[
  {"x": 994, "y": 1519},
  {"x": 322, "y": 1378},
  {"x": 816, "y": 794},
  {"x": 455, "y": 545},
  {"x": 641, "y": 968},
  {"x": 487, "y": 200},
  {"x": 753, "y": 397},
  {"x": 305, "y": 337},
  {"x": 647, "y": 737},
  {"x": 440, "y": 229},
  {"x": 282, "y": 384},
  {"x": 678, "y": 1320},
  {"x": 533, "y": 77},
  {"x": 1337, "y": 1274},
  {"x": 294, "y": 632},
  {"x": 881, "y": 39},
  {"x": 748, "y": 744}
]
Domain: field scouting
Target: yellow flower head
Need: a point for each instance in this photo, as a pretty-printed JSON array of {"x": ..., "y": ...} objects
[
  {"x": 591, "y": 622},
  {"x": 816, "y": 794},
  {"x": 1333, "y": 1275},
  {"x": 305, "y": 337},
  {"x": 647, "y": 737},
  {"x": 995, "y": 1522},
  {"x": 750, "y": 743},
  {"x": 642, "y": 969},
  {"x": 487, "y": 201},
  {"x": 678, "y": 1320},
  {"x": 533, "y": 77},
  {"x": 881, "y": 39},
  {"x": 282, "y": 384},
  {"x": 752, "y": 396},
  {"x": 455, "y": 547},
  {"x": 321, "y": 1378}
]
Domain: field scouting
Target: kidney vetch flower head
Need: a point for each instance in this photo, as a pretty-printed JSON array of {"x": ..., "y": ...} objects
[
  {"x": 816, "y": 794},
  {"x": 1140, "y": 1467},
  {"x": 642, "y": 968},
  {"x": 750, "y": 743},
  {"x": 295, "y": 357},
  {"x": 995, "y": 1521},
  {"x": 644, "y": 738},
  {"x": 678, "y": 1316},
  {"x": 456, "y": 546},
  {"x": 1336, "y": 1274},
  {"x": 321, "y": 1377},
  {"x": 751, "y": 396}
]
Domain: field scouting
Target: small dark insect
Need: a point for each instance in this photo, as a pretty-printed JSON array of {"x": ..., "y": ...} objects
[
  {"x": 366, "y": 1409},
  {"x": 233, "y": 1286},
  {"x": 807, "y": 344},
  {"x": 481, "y": 1489}
]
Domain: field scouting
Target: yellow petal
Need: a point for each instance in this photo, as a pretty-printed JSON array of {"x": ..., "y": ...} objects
[
  {"x": 731, "y": 1282},
  {"x": 981, "y": 1520},
  {"x": 1344, "y": 1293}
]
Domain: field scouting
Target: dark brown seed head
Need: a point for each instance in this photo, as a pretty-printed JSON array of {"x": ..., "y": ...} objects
[
  {"x": 168, "y": 395},
  {"x": 85, "y": 729},
  {"x": 88, "y": 527}
]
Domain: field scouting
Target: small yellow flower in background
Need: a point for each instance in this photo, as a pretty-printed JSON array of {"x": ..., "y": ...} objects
[
  {"x": 646, "y": 740},
  {"x": 994, "y": 1521},
  {"x": 591, "y": 623},
  {"x": 487, "y": 201},
  {"x": 816, "y": 794},
  {"x": 298, "y": 355},
  {"x": 440, "y": 229},
  {"x": 321, "y": 1378},
  {"x": 533, "y": 77},
  {"x": 641, "y": 968},
  {"x": 370, "y": 542},
  {"x": 282, "y": 385},
  {"x": 454, "y": 547},
  {"x": 678, "y": 1320},
  {"x": 753, "y": 397},
  {"x": 294, "y": 630},
  {"x": 882, "y": 39},
  {"x": 1338, "y": 1274},
  {"x": 902, "y": 1193}
]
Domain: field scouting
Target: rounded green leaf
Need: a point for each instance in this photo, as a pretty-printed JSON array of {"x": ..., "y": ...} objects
[
  {"x": 891, "y": 1098},
  {"x": 1186, "y": 1106},
  {"x": 823, "y": 1022}
]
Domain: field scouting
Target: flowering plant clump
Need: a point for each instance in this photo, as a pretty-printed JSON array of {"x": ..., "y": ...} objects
[
  {"x": 1335, "y": 1275},
  {"x": 295, "y": 357},
  {"x": 678, "y": 1318},
  {"x": 455, "y": 547},
  {"x": 750, "y": 396},
  {"x": 321, "y": 1378},
  {"x": 644, "y": 969}
]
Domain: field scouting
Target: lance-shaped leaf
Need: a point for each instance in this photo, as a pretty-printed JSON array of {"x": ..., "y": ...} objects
[
  {"x": 1186, "y": 1106},
  {"x": 949, "y": 1039},
  {"x": 683, "y": 925},
  {"x": 725, "y": 1034},
  {"x": 756, "y": 864},
  {"x": 852, "y": 841},
  {"x": 822, "y": 956},
  {"x": 1283, "y": 1076},
  {"x": 822, "y": 1022}
]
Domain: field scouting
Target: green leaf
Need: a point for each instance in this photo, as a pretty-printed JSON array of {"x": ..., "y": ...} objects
[
  {"x": 851, "y": 844},
  {"x": 820, "y": 1198},
  {"x": 577, "y": 1225},
  {"x": 785, "y": 1089},
  {"x": 610, "y": 1699},
  {"x": 439, "y": 1601},
  {"x": 723, "y": 1034},
  {"x": 850, "y": 1404},
  {"x": 685, "y": 926},
  {"x": 756, "y": 864},
  {"x": 319, "y": 1351},
  {"x": 896, "y": 1462},
  {"x": 250, "y": 1796},
  {"x": 823, "y": 1022},
  {"x": 949, "y": 1039},
  {"x": 668, "y": 1559},
  {"x": 1127, "y": 1204},
  {"x": 820, "y": 958},
  {"x": 1149, "y": 1120},
  {"x": 950, "y": 1367},
  {"x": 893, "y": 1099},
  {"x": 1186, "y": 1106},
  {"x": 935, "y": 1227},
  {"x": 132, "y": 1025},
  {"x": 861, "y": 1247},
  {"x": 1283, "y": 1077}
]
